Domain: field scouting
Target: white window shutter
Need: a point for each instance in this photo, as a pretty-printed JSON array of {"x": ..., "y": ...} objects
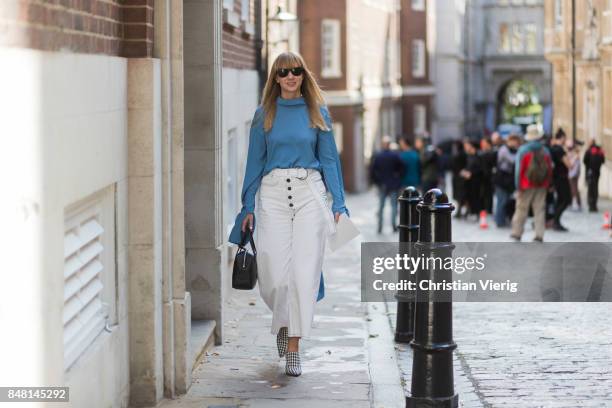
[{"x": 84, "y": 316}]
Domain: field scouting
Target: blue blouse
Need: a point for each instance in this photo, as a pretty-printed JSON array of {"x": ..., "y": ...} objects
[{"x": 291, "y": 142}]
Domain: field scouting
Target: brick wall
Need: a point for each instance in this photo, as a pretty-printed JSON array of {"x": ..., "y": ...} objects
[
  {"x": 310, "y": 15},
  {"x": 238, "y": 45},
  {"x": 112, "y": 27}
]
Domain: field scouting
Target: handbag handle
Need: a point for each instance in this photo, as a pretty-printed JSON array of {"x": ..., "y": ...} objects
[{"x": 247, "y": 235}]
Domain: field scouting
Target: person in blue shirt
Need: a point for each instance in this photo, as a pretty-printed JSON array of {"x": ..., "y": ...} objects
[
  {"x": 412, "y": 163},
  {"x": 292, "y": 163},
  {"x": 386, "y": 172}
]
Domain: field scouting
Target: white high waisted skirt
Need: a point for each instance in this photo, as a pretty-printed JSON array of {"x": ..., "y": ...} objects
[{"x": 293, "y": 222}]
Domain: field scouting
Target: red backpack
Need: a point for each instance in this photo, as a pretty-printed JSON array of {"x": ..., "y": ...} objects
[{"x": 536, "y": 169}]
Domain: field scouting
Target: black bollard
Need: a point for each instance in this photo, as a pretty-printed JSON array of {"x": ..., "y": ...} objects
[
  {"x": 408, "y": 232},
  {"x": 433, "y": 345}
]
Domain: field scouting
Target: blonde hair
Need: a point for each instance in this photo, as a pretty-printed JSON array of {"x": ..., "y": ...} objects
[{"x": 309, "y": 89}]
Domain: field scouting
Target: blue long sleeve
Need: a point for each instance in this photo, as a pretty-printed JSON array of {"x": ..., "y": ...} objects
[
  {"x": 329, "y": 159},
  {"x": 290, "y": 143},
  {"x": 256, "y": 161}
]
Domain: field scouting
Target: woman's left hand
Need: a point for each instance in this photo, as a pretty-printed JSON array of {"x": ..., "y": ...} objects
[{"x": 337, "y": 217}]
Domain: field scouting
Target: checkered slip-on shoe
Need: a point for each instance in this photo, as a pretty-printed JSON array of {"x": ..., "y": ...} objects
[
  {"x": 293, "y": 366},
  {"x": 281, "y": 341}
]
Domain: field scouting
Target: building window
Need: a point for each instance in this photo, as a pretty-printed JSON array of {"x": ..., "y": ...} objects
[
  {"x": 386, "y": 123},
  {"x": 245, "y": 10},
  {"x": 418, "y": 5},
  {"x": 418, "y": 58},
  {"x": 330, "y": 48},
  {"x": 337, "y": 129},
  {"x": 558, "y": 13},
  {"x": 419, "y": 120},
  {"x": 517, "y": 39},
  {"x": 504, "y": 38},
  {"x": 228, "y": 4},
  {"x": 392, "y": 69},
  {"x": 531, "y": 39}
]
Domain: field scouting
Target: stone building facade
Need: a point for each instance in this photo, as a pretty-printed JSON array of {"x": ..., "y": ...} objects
[
  {"x": 360, "y": 52},
  {"x": 480, "y": 47},
  {"x": 586, "y": 108},
  {"x": 415, "y": 67},
  {"x": 505, "y": 42},
  {"x": 448, "y": 62},
  {"x": 113, "y": 219}
]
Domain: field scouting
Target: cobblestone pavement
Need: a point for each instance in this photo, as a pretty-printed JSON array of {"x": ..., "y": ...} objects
[{"x": 522, "y": 354}]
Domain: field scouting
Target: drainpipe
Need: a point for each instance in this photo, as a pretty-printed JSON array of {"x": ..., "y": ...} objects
[
  {"x": 574, "y": 71},
  {"x": 259, "y": 45}
]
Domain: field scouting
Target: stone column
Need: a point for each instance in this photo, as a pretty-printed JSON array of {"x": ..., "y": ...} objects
[
  {"x": 203, "y": 210},
  {"x": 145, "y": 231},
  {"x": 176, "y": 310}
]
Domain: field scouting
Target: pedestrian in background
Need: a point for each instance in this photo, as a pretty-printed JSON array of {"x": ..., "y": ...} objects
[
  {"x": 550, "y": 193},
  {"x": 412, "y": 164},
  {"x": 504, "y": 179},
  {"x": 496, "y": 140},
  {"x": 472, "y": 173},
  {"x": 574, "y": 175},
  {"x": 458, "y": 163},
  {"x": 386, "y": 172},
  {"x": 488, "y": 159},
  {"x": 593, "y": 159},
  {"x": 560, "y": 178},
  {"x": 532, "y": 177},
  {"x": 429, "y": 163}
]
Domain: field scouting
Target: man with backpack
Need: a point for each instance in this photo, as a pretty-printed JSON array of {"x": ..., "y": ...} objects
[
  {"x": 593, "y": 159},
  {"x": 533, "y": 173}
]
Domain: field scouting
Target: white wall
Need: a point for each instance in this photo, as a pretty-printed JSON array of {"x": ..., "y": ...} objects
[
  {"x": 64, "y": 138},
  {"x": 240, "y": 99}
]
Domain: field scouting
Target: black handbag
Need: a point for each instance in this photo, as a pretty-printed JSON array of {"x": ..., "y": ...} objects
[{"x": 244, "y": 275}]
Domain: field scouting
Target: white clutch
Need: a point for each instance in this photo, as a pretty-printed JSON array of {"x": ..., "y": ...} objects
[{"x": 345, "y": 232}]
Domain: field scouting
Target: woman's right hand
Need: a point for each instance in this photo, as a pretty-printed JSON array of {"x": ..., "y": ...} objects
[{"x": 248, "y": 220}]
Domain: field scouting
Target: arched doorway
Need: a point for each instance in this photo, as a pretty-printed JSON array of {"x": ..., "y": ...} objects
[{"x": 518, "y": 103}]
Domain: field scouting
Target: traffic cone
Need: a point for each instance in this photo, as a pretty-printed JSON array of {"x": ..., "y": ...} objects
[
  {"x": 606, "y": 224},
  {"x": 483, "y": 220}
]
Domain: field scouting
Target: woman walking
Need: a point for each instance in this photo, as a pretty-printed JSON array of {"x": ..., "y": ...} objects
[{"x": 292, "y": 162}]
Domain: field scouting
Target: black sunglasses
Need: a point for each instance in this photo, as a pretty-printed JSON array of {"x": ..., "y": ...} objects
[{"x": 283, "y": 72}]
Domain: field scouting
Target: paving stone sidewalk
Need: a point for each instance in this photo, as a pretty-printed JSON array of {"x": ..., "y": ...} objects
[{"x": 348, "y": 361}]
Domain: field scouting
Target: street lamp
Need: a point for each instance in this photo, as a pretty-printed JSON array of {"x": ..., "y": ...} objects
[{"x": 285, "y": 23}]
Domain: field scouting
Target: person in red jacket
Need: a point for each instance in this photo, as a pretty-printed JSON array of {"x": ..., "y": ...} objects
[
  {"x": 593, "y": 159},
  {"x": 533, "y": 173}
]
